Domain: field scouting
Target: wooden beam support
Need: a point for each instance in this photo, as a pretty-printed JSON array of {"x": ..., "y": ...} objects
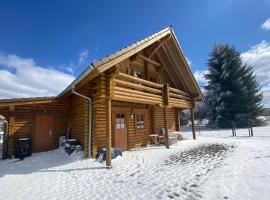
[
  {"x": 104, "y": 66},
  {"x": 177, "y": 119},
  {"x": 175, "y": 66},
  {"x": 166, "y": 126},
  {"x": 149, "y": 60},
  {"x": 158, "y": 47},
  {"x": 192, "y": 120},
  {"x": 165, "y": 94},
  {"x": 164, "y": 67},
  {"x": 109, "y": 122},
  {"x": 11, "y": 119},
  {"x": 146, "y": 70}
]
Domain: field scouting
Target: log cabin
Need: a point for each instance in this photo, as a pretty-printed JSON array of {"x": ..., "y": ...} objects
[{"x": 118, "y": 101}]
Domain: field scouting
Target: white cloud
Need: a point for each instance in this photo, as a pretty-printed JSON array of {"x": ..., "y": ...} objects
[
  {"x": 80, "y": 62},
  {"x": 199, "y": 76},
  {"x": 258, "y": 56},
  {"x": 83, "y": 56},
  {"x": 188, "y": 61},
  {"x": 266, "y": 25},
  {"x": 22, "y": 77},
  {"x": 70, "y": 70}
]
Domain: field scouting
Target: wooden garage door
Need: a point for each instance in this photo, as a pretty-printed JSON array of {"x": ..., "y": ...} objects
[{"x": 43, "y": 136}]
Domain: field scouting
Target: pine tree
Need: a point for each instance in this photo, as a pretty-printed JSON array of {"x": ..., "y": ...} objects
[{"x": 233, "y": 94}]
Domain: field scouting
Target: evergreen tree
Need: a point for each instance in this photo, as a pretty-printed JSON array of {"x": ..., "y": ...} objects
[{"x": 233, "y": 95}]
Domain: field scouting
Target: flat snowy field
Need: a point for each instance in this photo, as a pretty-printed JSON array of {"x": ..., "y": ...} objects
[{"x": 215, "y": 166}]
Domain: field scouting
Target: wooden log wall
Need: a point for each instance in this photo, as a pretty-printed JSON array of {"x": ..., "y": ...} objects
[
  {"x": 99, "y": 115},
  {"x": 80, "y": 117},
  {"x": 22, "y": 121},
  {"x": 158, "y": 121},
  {"x": 137, "y": 137}
]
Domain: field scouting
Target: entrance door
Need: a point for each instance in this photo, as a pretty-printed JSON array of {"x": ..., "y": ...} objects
[
  {"x": 120, "y": 132},
  {"x": 43, "y": 136}
]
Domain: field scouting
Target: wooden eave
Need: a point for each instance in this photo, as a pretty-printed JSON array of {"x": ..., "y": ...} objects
[{"x": 27, "y": 101}]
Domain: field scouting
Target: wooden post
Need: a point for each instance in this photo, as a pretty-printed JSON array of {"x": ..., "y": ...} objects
[
  {"x": 108, "y": 123},
  {"x": 109, "y": 134},
  {"x": 177, "y": 121},
  {"x": 11, "y": 129},
  {"x": 192, "y": 122},
  {"x": 166, "y": 127},
  {"x": 192, "y": 119},
  {"x": 251, "y": 130},
  {"x": 11, "y": 120},
  {"x": 5, "y": 141},
  {"x": 165, "y": 94}
]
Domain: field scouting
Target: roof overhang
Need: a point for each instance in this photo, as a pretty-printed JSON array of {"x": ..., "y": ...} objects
[{"x": 26, "y": 101}]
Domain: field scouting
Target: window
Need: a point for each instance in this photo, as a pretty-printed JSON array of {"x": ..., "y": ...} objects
[
  {"x": 140, "y": 121},
  {"x": 120, "y": 121}
]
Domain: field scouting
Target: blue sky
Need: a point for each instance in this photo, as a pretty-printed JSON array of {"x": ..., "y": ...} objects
[{"x": 63, "y": 37}]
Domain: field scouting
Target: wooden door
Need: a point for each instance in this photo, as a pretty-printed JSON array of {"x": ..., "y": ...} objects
[
  {"x": 43, "y": 136},
  {"x": 120, "y": 132}
]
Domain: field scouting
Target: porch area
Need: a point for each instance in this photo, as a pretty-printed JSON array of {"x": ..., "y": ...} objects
[{"x": 160, "y": 109}]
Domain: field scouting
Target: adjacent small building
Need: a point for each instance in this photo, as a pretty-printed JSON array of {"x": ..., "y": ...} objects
[{"x": 118, "y": 101}]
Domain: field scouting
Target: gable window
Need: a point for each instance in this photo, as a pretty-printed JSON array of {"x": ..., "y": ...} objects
[{"x": 140, "y": 121}]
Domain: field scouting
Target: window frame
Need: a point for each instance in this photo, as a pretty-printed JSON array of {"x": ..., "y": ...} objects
[
  {"x": 141, "y": 121},
  {"x": 120, "y": 121}
]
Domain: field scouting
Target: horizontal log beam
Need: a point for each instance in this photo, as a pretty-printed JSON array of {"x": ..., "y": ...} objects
[
  {"x": 139, "y": 80},
  {"x": 136, "y": 86},
  {"x": 183, "y": 106},
  {"x": 134, "y": 100},
  {"x": 180, "y": 96},
  {"x": 179, "y": 91},
  {"x": 149, "y": 60},
  {"x": 116, "y": 88},
  {"x": 143, "y": 97},
  {"x": 180, "y": 102}
]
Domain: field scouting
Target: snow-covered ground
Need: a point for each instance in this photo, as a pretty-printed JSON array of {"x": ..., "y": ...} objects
[{"x": 215, "y": 166}]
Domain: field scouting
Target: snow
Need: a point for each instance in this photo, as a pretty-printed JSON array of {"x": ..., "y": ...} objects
[
  {"x": 1, "y": 143},
  {"x": 215, "y": 166}
]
